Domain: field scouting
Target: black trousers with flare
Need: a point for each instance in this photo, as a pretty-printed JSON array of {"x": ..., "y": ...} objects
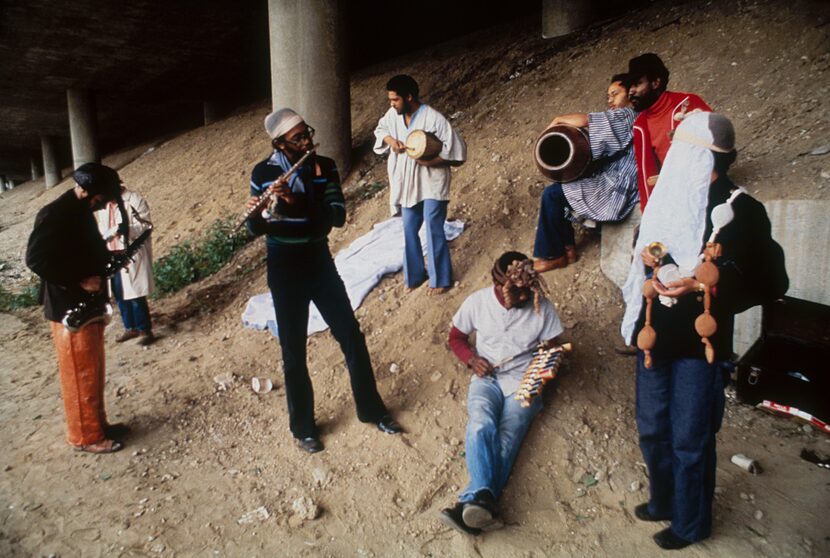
[{"x": 303, "y": 273}]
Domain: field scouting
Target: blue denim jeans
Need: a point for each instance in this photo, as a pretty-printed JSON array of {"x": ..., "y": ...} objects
[
  {"x": 495, "y": 430},
  {"x": 135, "y": 313},
  {"x": 554, "y": 231},
  {"x": 433, "y": 213},
  {"x": 679, "y": 410}
]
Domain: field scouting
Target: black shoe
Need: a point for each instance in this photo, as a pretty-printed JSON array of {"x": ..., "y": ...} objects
[
  {"x": 642, "y": 513},
  {"x": 453, "y": 517},
  {"x": 667, "y": 540},
  {"x": 311, "y": 444},
  {"x": 389, "y": 425},
  {"x": 117, "y": 430},
  {"x": 480, "y": 512}
]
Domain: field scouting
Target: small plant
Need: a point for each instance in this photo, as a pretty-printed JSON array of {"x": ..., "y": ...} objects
[
  {"x": 189, "y": 262},
  {"x": 24, "y": 299}
]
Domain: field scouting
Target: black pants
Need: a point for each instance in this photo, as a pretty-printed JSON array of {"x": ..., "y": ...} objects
[{"x": 297, "y": 275}]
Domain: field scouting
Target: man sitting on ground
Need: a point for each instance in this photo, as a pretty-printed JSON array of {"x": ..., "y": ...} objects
[{"x": 509, "y": 323}]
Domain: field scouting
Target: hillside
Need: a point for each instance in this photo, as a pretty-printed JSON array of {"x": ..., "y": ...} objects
[{"x": 202, "y": 457}]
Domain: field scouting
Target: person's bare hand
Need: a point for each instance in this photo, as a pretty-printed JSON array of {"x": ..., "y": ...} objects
[
  {"x": 91, "y": 284},
  {"x": 677, "y": 288},
  {"x": 251, "y": 203},
  {"x": 480, "y": 366},
  {"x": 398, "y": 146}
]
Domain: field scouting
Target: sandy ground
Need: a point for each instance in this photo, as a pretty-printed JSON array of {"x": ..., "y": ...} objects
[{"x": 202, "y": 457}]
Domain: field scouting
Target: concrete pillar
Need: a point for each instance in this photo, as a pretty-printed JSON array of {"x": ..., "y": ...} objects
[
  {"x": 563, "y": 17},
  {"x": 34, "y": 167},
  {"x": 210, "y": 110},
  {"x": 51, "y": 168},
  {"x": 83, "y": 127},
  {"x": 309, "y": 71},
  {"x": 3, "y": 187}
]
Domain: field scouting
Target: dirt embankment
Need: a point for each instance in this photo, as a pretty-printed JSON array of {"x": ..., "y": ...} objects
[{"x": 202, "y": 457}]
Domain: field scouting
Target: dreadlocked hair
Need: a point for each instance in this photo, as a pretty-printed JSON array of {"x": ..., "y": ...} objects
[{"x": 515, "y": 270}]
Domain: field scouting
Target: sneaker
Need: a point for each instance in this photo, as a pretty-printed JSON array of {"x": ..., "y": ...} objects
[
  {"x": 127, "y": 335},
  {"x": 454, "y": 517},
  {"x": 480, "y": 512},
  {"x": 147, "y": 338}
]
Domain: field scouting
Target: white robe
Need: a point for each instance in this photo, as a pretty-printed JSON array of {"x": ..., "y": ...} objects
[
  {"x": 409, "y": 182},
  {"x": 137, "y": 277}
]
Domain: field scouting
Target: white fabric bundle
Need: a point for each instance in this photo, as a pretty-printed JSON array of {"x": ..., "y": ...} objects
[{"x": 676, "y": 211}]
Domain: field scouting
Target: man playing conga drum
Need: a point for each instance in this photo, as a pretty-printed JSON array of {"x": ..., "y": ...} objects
[{"x": 420, "y": 188}]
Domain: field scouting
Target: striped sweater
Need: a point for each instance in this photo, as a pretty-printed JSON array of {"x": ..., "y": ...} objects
[{"x": 319, "y": 207}]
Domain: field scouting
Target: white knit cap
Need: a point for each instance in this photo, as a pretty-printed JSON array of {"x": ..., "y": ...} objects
[{"x": 281, "y": 121}]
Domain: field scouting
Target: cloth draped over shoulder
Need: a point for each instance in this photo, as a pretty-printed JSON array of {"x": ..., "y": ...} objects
[
  {"x": 653, "y": 129},
  {"x": 409, "y": 182},
  {"x": 610, "y": 192},
  {"x": 137, "y": 277}
]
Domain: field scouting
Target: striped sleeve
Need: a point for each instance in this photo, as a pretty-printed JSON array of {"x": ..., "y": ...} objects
[
  {"x": 610, "y": 131},
  {"x": 333, "y": 197}
]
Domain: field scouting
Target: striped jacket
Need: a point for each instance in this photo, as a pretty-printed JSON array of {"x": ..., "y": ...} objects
[{"x": 319, "y": 207}]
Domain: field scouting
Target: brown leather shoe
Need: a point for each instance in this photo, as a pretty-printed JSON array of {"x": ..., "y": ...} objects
[
  {"x": 127, "y": 335},
  {"x": 541, "y": 265},
  {"x": 147, "y": 338}
]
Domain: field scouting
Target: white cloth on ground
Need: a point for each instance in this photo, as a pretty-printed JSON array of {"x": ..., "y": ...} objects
[
  {"x": 675, "y": 214},
  {"x": 361, "y": 266},
  {"x": 409, "y": 182},
  {"x": 506, "y": 338}
]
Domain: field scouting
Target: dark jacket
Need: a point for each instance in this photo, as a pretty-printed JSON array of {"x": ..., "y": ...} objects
[
  {"x": 752, "y": 272},
  {"x": 64, "y": 248}
]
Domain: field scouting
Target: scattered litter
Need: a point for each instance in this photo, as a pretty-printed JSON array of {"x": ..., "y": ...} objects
[
  {"x": 746, "y": 463},
  {"x": 259, "y": 514},
  {"x": 261, "y": 385},
  {"x": 759, "y": 515},
  {"x": 813, "y": 457},
  {"x": 820, "y": 150},
  {"x": 305, "y": 508},
  {"x": 224, "y": 381},
  {"x": 589, "y": 480},
  {"x": 394, "y": 368}
]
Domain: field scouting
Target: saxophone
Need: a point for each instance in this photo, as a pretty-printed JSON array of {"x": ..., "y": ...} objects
[{"x": 96, "y": 308}]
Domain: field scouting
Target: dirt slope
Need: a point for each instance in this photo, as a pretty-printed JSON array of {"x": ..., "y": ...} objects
[{"x": 202, "y": 457}]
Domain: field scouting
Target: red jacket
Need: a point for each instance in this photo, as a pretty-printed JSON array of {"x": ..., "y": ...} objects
[{"x": 652, "y": 134}]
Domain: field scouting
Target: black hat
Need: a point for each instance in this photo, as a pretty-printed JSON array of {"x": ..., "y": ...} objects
[
  {"x": 650, "y": 65},
  {"x": 98, "y": 179}
]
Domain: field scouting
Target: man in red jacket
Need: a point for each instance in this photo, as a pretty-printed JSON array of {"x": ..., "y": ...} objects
[{"x": 660, "y": 113}]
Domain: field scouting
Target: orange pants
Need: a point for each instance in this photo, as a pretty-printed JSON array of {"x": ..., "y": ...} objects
[{"x": 81, "y": 365}]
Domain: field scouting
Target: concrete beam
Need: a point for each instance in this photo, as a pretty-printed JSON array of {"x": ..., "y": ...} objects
[
  {"x": 35, "y": 168},
  {"x": 309, "y": 71},
  {"x": 51, "y": 168},
  {"x": 563, "y": 17},
  {"x": 83, "y": 127}
]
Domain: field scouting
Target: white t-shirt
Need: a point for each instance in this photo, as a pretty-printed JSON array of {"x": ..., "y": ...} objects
[{"x": 506, "y": 338}]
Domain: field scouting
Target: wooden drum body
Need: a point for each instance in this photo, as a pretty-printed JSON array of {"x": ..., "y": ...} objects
[
  {"x": 423, "y": 145},
  {"x": 563, "y": 153}
]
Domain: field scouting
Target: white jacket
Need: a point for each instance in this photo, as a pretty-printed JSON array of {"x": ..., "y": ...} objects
[{"x": 137, "y": 277}]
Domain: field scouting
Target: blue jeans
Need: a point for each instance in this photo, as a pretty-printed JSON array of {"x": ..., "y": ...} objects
[
  {"x": 679, "y": 410},
  {"x": 135, "y": 313},
  {"x": 554, "y": 231},
  {"x": 434, "y": 213},
  {"x": 495, "y": 430}
]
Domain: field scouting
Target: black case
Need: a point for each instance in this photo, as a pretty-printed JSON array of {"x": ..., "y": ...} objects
[{"x": 790, "y": 363}]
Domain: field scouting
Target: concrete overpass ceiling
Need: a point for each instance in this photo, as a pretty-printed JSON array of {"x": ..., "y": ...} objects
[{"x": 152, "y": 62}]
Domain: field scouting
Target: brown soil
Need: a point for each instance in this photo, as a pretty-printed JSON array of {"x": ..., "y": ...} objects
[{"x": 201, "y": 457}]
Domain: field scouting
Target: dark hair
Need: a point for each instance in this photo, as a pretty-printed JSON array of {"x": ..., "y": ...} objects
[
  {"x": 403, "y": 85},
  {"x": 96, "y": 179},
  {"x": 724, "y": 160},
  {"x": 649, "y": 65},
  {"x": 624, "y": 79}
]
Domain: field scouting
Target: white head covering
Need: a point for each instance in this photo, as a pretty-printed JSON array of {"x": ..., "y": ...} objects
[
  {"x": 676, "y": 211},
  {"x": 281, "y": 121}
]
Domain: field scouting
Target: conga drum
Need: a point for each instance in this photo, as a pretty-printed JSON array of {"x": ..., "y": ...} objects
[
  {"x": 423, "y": 145},
  {"x": 563, "y": 153}
]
